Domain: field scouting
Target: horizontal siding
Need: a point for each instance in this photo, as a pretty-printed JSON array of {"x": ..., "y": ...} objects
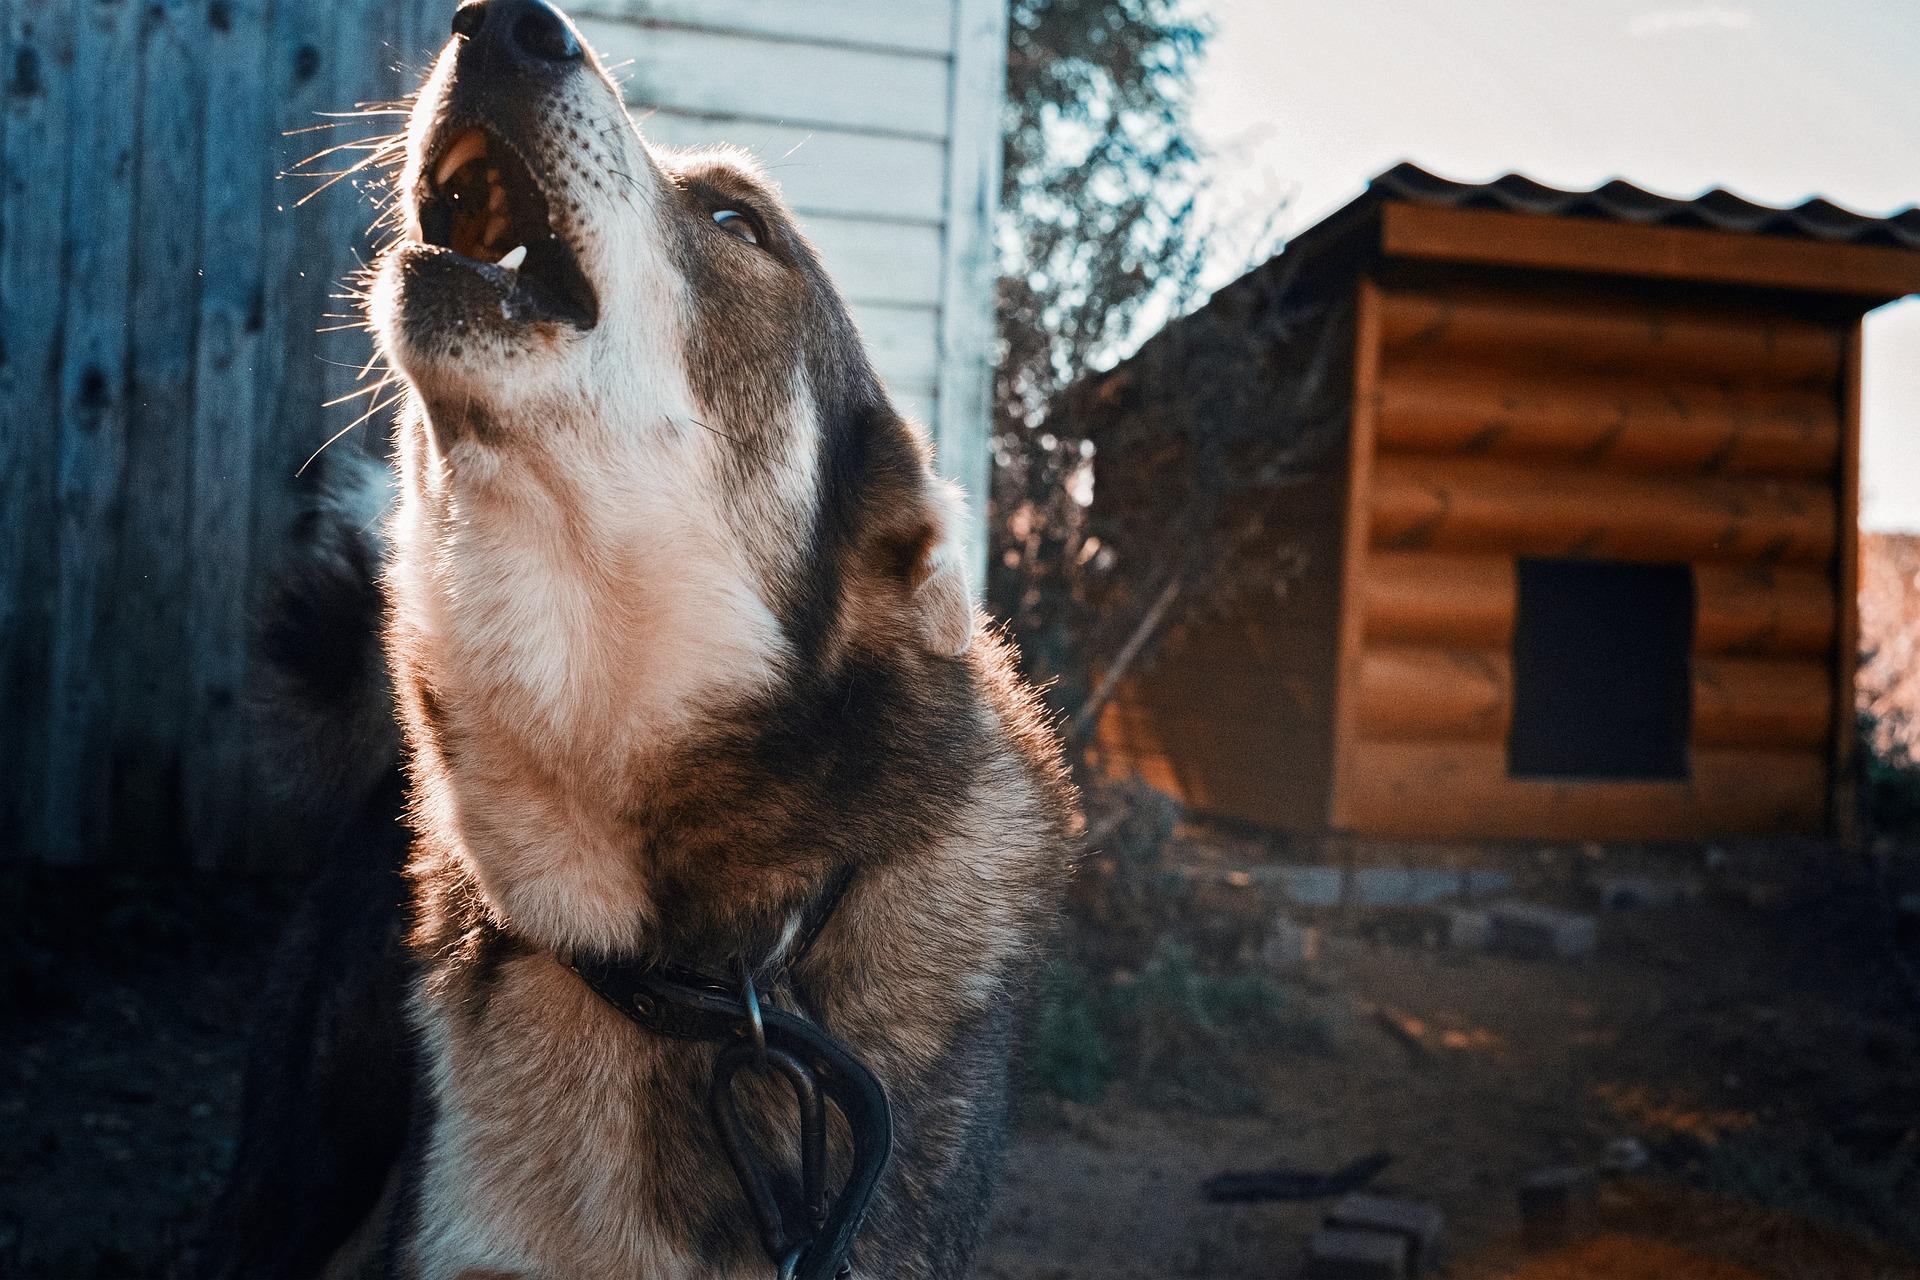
[
  {"x": 1552, "y": 335},
  {"x": 880, "y": 262},
  {"x": 1459, "y": 790},
  {"x": 903, "y": 341},
  {"x": 920, "y": 26},
  {"x": 1470, "y": 504},
  {"x": 847, "y": 107},
  {"x": 1674, "y": 424},
  {"x": 1411, "y": 693},
  {"x": 743, "y": 77},
  {"x": 1468, "y": 601},
  {"x": 918, "y": 403},
  {"x": 822, "y": 170}
]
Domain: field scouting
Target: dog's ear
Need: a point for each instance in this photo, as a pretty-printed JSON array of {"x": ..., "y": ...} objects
[
  {"x": 909, "y": 583},
  {"x": 939, "y": 591}
]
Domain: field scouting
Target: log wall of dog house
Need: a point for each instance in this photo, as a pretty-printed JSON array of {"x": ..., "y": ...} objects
[{"x": 1495, "y": 426}]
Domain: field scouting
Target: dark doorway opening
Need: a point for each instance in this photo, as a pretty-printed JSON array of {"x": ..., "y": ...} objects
[{"x": 1602, "y": 670}]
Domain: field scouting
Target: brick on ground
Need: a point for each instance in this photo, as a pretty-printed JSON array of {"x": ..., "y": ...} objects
[
  {"x": 1469, "y": 929},
  {"x": 1619, "y": 892},
  {"x": 1530, "y": 928},
  {"x": 1289, "y": 945},
  {"x": 1418, "y": 1223},
  {"x": 1552, "y": 1203},
  {"x": 1335, "y": 1253}
]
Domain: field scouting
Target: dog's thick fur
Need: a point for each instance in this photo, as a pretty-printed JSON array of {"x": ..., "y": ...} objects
[{"x": 675, "y": 619}]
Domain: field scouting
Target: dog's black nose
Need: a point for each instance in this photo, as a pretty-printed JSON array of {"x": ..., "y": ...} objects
[{"x": 525, "y": 30}]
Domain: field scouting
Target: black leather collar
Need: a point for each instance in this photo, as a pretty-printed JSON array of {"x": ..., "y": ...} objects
[{"x": 689, "y": 1004}]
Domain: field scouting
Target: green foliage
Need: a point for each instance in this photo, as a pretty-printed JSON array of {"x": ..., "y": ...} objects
[
  {"x": 1180, "y": 1036},
  {"x": 1097, "y": 233},
  {"x": 1823, "y": 1180},
  {"x": 1098, "y": 183},
  {"x": 1068, "y": 1055},
  {"x": 1890, "y": 782}
]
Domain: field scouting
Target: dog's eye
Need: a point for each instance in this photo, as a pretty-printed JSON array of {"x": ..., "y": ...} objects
[{"x": 736, "y": 223}]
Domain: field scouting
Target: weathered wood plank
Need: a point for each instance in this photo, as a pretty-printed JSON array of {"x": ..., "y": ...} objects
[
  {"x": 963, "y": 435},
  {"x": 884, "y": 263},
  {"x": 149, "y": 663},
  {"x": 225, "y": 421},
  {"x": 36, "y": 70},
  {"x": 740, "y": 77},
  {"x": 9, "y": 445},
  {"x": 332, "y": 239},
  {"x": 304, "y": 61},
  {"x": 840, "y": 172},
  {"x": 919, "y": 26},
  {"x": 903, "y": 342},
  {"x": 920, "y": 403}
]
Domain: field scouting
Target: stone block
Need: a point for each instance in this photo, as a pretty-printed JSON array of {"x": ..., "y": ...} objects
[
  {"x": 1627, "y": 892},
  {"x": 1469, "y": 929},
  {"x": 1337, "y": 1254},
  {"x": 1290, "y": 947},
  {"x": 1479, "y": 883},
  {"x": 1420, "y": 1224},
  {"x": 1310, "y": 886},
  {"x": 1528, "y": 928},
  {"x": 1551, "y": 1201}
]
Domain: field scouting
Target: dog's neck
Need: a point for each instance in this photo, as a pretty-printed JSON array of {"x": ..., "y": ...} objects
[{"x": 559, "y": 649}]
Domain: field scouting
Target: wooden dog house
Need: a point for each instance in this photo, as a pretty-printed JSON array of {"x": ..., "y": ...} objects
[{"x": 1576, "y": 487}]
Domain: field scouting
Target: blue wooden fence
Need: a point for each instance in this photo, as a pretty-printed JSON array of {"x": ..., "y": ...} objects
[{"x": 161, "y": 381}]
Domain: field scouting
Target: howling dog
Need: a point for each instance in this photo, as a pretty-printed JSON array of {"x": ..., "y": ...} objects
[{"x": 682, "y": 929}]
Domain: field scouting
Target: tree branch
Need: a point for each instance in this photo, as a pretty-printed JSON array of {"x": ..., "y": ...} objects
[{"x": 1096, "y": 702}]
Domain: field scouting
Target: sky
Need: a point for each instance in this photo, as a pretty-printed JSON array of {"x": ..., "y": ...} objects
[{"x": 1301, "y": 101}]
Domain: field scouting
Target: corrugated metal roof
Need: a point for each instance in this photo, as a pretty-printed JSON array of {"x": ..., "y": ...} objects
[{"x": 1618, "y": 201}]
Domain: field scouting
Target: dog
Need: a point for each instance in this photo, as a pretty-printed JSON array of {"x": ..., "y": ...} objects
[{"x": 675, "y": 615}]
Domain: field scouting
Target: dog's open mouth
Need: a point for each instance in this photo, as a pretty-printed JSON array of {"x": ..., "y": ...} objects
[{"x": 481, "y": 202}]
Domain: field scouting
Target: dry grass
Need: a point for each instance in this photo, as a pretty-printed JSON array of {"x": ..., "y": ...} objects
[
  {"x": 1889, "y": 687},
  {"x": 1663, "y": 1231}
]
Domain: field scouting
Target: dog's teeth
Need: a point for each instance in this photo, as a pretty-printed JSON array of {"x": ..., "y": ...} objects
[
  {"x": 468, "y": 146},
  {"x": 513, "y": 257}
]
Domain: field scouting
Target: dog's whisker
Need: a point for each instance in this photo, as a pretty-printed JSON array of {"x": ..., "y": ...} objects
[
  {"x": 384, "y": 404},
  {"x": 357, "y": 392},
  {"x": 333, "y": 179},
  {"x": 394, "y": 143}
]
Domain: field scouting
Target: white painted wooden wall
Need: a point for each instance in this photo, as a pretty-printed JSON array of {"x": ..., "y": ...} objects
[{"x": 881, "y": 121}]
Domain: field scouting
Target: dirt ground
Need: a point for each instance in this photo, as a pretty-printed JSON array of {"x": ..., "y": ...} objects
[
  {"x": 1693, "y": 1026},
  {"x": 1767, "y": 1026}
]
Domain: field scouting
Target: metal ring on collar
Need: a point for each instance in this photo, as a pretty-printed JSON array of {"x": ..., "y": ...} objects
[{"x": 750, "y": 996}]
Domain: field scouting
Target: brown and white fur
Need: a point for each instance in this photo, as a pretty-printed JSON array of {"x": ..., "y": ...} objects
[{"x": 677, "y": 624}]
